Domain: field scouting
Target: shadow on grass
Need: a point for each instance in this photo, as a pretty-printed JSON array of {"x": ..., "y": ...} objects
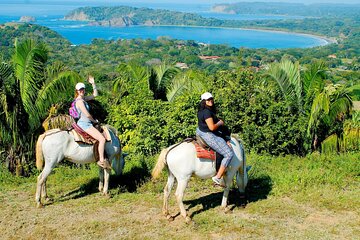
[
  {"x": 83, "y": 190},
  {"x": 257, "y": 189},
  {"x": 128, "y": 182}
]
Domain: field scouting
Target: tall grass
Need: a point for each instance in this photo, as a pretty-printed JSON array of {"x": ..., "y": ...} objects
[{"x": 311, "y": 178}]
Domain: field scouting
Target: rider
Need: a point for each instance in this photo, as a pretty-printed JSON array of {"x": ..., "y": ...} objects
[
  {"x": 86, "y": 121},
  {"x": 208, "y": 129}
]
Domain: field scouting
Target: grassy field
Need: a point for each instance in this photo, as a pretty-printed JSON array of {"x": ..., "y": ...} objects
[{"x": 317, "y": 197}]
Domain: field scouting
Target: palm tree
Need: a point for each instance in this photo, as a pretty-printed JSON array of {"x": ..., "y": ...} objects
[
  {"x": 321, "y": 102},
  {"x": 160, "y": 78},
  {"x": 190, "y": 82},
  {"x": 332, "y": 104},
  {"x": 132, "y": 77},
  {"x": 287, "y": 76},
  {"x": 27, "y": 90}
]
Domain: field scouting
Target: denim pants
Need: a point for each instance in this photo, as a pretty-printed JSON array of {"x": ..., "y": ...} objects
[{"x": 218, "y": 144}]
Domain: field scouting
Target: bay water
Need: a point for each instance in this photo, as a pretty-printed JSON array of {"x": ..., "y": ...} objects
[{"x": 77, "y": 32}]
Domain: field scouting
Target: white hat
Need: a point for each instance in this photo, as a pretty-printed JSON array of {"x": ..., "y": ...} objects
[
  {"x": 206, "y": 96},
  {"x": 79, "y": 86}
]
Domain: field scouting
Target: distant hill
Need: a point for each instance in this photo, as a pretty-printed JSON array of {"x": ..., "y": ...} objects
[
  {"x": 280, "y": 8},
  {"x": 128, "y": 16},
  {"x": 11, "y": 31}
]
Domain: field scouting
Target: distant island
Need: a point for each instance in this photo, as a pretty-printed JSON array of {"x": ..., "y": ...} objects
[
  {"x": 27, "y": 19},
  {"x": 129, "y": 16},
  {"x": 281, "y": 8}
]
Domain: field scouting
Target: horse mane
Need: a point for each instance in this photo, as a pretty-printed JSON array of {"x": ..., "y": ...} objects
[
  {"x": 62, "y": 121},
  {"x": 236, "y": 136}
]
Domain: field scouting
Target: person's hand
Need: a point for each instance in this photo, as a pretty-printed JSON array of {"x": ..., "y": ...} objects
[
  {"x": 220, "y": 123},
  {"x": 91, "y": 80}
]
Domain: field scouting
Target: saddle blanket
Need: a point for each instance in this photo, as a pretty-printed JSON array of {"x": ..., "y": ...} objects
[
  {"x": 81, "y": 136},
  {"x": 204, "y": 153}
]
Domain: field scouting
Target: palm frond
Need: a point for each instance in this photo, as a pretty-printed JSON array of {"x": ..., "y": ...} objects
[
  {"x": 57, "y": 89},
  {"x": 178, "y": 87},
  {"x": 287, "y": 76},
  {"x": 29, "y": 59},
  {"x": 313, "y": 80},
  {"x": 320, "y": 105}
]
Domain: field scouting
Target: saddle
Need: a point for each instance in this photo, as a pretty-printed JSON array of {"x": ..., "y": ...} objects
[
  {"x": 83, "y": 137},
  {"x": 204, "y": 151}
]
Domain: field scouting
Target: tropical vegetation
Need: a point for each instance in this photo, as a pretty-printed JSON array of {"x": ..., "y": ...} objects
[{"x": 280, "y": 102}]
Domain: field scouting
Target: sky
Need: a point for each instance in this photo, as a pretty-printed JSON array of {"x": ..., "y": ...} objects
[{"x": 177, "y": 1}]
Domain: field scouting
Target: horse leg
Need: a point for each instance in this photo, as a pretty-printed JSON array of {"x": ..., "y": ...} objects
[
  {"x": 228, "y": 182},
  {"x": 180, "y": 189},
  {"x": 38, "y": 191},
  {"x": 106, "y": 182},
  {"x": 40, "y": 185},
  {"x": 167, "y": 190},
  {"x": 101, "y": 179},
  {"x": 240, "y": 182}
]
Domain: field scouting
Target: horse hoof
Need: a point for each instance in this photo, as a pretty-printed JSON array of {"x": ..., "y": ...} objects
[
  {"x": 188, "y": 220},
  {"x": 49, "y": 200},
  {"x": 170, "y": 218},
  {"x": 39, "y": 205},
  {"x": 227, "y": 210},
  {"x": 106, "y": 194}
]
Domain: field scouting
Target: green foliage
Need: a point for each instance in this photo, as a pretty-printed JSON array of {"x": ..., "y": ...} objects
[
  {"x": 264, "y": 122},
  {"x": 27, "y": 91},
  {"x": 267, "y": 119},
  {"x": 347, "y": 141}
]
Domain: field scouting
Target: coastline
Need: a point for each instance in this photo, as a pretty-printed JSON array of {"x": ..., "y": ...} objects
[
  {"x": 318, "y": 40},
  {"x": 326, "y": 40}
]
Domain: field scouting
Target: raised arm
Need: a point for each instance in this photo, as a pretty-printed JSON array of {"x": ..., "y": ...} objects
[{"x": 95, "y": 92}]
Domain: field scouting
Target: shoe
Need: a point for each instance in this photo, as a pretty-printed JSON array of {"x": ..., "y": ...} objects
[
  {"x": 104, "y": 164},
  {"x": 218, "y": 181}
]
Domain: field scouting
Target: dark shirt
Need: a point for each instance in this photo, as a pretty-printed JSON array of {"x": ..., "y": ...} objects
[{"x": 202, "y": 116}]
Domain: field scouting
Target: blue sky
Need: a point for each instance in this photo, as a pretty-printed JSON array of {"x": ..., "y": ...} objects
[{"x": 176, "y": 1}]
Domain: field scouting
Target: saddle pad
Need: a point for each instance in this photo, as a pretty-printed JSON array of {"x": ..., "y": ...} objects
[
  {"x": 204, "y": 153},
  {"x": 81, "y": 136}
]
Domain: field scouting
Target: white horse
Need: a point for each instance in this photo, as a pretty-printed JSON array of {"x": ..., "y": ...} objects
[
  {"x": 182, "y": 163},
  {"x": 55, "y": 145}
]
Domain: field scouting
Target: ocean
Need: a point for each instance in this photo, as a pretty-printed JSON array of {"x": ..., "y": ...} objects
[{"x": 51, "y": 15}]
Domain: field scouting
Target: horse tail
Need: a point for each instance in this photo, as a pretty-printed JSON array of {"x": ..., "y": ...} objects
[
  {"x": 39, "y": 153},
  {"x": 160, "y": 164}
]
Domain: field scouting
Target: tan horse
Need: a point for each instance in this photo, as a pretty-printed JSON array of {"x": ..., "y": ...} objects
[
  {"x": 56, "y": 145},
  {"x": 182, "y": 163}
]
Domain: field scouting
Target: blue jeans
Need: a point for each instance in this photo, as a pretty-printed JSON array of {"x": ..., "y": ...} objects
[{"x": 218, "y": 144}]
